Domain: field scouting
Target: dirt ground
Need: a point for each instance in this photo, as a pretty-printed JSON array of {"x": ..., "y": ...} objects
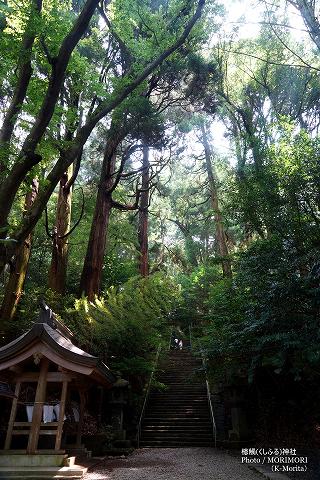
[{"x": 174, "y": 464}]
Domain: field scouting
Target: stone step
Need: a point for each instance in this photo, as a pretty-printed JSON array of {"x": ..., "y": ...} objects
[
  {"x": 14, "y": 458},
  {"x": 177, "y": 435},
  {"x": 180, "y": 399},
  {"x": 165, "y": 410},
  {"x": 180, "y": 405},
  {"x": 192, "y": 376},
  {"x": 183, "y": 404},
  {"x": 176, "y": 383},
  {"x": 179, "y": 380},
  {"x": 182, "y": 409},
  {"x": 175, "y": 367},
  {"x": 191, "y": 405},
  {"x": 173, "y": 415},
  {"x": 191, "y": 401},
  {"x": 176, "y": 395},
  {"x": 181, "y": 358},
  {"x": 177, "y": 429},
  {"x": 172, "y": 444},
  {"x": 181, "y": 388},
  {"x": 166, "y": 406},
  {"x": 173, "y": 433},
  {"x": 174, "y": 429},
  {"x": 176, "y": 422},
  {"x": 195, "y": 416},
  {"x": 177, "y": 425},
  {"x": 179, "y": 369},
  {"x": 34, "y": 473}
]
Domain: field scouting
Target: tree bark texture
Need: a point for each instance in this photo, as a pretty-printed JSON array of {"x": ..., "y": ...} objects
[
  {"x": 59, "y": 259},
  {"x": 17, "y": 276},
  {"x": 143, "y": 215},
  {"x": 220, "y": 232},
  {"x": 90, "y": 282}
]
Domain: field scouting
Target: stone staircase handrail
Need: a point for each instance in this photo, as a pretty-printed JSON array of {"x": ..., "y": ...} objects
[{"x": 147, "y": 395}]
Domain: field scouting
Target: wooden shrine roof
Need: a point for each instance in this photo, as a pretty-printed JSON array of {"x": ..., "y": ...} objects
[{"x": 49, "y": 337}]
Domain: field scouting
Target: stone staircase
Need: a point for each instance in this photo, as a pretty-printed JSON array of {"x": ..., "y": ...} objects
[{"x": 179, "y": 416}]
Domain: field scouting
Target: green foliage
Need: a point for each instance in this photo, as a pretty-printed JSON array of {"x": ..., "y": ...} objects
[
  {"x": 269, "y": 316},
  {"x": 195, "y": 291},
  {"x": 29, "y": 306},
  {"x": 123, "y": 327},
  {"x": 126, "y": 324},
  {"x": 283, "y": 198}
]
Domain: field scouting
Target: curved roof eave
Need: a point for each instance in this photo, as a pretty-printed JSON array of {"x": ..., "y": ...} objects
[{"x": 57, "y": 342}]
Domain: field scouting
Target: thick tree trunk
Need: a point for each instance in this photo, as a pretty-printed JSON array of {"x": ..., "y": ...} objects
[
  {"x": 220, "y": 232},
  {"x": 93, "y": 264},
  {"x": 59, "y": 259},
  {"x": 143, "y": 215},
  {"x": 17, "y": 276}
]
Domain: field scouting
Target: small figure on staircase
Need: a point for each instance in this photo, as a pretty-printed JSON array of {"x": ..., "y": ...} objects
[
  {"x": 175, "y": 343},
  {"x": 177, "y": 339}
]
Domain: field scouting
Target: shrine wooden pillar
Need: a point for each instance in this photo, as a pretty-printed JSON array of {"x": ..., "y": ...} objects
[
  {"x": 12, "y": 416},
  {"x": 61, "y": 415},
  {"x": 38, "y": 406},
  {"x": 81, "y": 415}
]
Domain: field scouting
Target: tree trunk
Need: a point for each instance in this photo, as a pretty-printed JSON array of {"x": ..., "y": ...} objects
[
  {"x": 93, "y": 265},
  {"x": 310, "y": 18},
  {"x": 253, "y": 140},
  {"x": 17, "y": 276},
  {"x": 143, "y": 215},
  {"x": 59, "y": 259},
  {"x": 220, "y": 232}
]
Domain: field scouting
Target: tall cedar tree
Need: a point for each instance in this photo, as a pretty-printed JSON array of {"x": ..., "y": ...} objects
[
  {"x": 143, "y": 214},
  {"x": 220, "y": 231}
]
